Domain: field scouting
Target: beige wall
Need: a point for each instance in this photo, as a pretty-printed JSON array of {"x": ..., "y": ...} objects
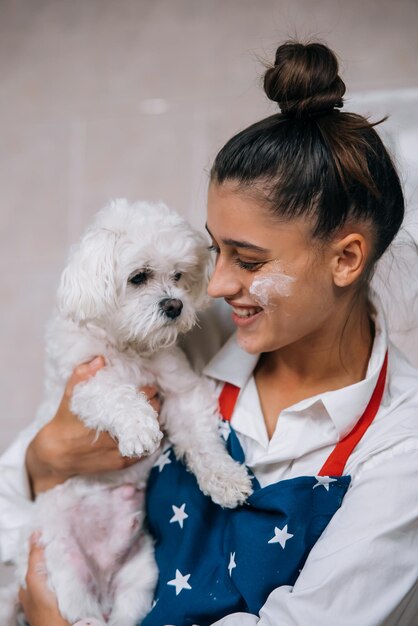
[{"x": 102, "y": 98}]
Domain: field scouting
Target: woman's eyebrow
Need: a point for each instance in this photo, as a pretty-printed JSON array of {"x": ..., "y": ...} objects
[{"x": 239, "y": 244}]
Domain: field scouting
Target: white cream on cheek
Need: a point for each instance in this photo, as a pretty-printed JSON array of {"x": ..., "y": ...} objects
[{"x": 273, "y": 283}]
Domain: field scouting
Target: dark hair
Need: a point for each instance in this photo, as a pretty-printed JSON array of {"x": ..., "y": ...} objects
[{"x": 312, "y": 159}]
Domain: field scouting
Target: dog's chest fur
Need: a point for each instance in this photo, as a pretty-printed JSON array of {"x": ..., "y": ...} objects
[{"x": 98, "y": 549}]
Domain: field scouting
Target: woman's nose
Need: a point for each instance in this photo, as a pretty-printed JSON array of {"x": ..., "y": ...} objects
[{"x": 223, "y": 282}]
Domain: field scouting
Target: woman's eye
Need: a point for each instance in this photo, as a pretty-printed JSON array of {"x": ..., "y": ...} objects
[
  {"x": 177, "y": 276},
  {"x": 140, "y": 278},
  {"x": 247, "y": 265},
  {"x": 251, "y": 266}
]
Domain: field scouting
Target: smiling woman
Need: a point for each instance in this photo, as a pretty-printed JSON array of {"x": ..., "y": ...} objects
[
  {"x": 301, "y": 206},
  {"x": 314, "y": 398},
  {"x": 294, "y": 299},
  {"x": 292, "y": 293}
]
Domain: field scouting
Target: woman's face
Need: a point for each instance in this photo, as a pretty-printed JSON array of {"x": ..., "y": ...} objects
[{"x": 277, "y": 281}]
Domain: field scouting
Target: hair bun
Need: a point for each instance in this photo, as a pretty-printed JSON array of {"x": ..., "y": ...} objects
[{"x": 304, "y": 79}]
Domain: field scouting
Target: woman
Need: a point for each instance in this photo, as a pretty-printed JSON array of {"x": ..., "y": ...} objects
[{"x": 301, "y": 207}]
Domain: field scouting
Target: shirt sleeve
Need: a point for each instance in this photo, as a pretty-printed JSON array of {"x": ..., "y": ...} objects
[
  {"x": 364, "y": 568},
  {"x": 15, "y": 494}
]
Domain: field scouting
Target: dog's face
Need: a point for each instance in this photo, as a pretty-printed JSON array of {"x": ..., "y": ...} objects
[{"x": 140, "y": 271}]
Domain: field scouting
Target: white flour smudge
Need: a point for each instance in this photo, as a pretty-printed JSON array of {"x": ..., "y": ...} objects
[{"x": 269, "y": 285}]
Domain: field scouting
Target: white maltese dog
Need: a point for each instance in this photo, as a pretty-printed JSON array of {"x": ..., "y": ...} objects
[{"x": 133, "y": 283}]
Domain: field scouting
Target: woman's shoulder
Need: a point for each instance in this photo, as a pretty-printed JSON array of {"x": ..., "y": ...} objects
[
  {"x": 400, "y": 403},
  {"x": 394, "y": 431},
  {"x": 403, "y": 375}
]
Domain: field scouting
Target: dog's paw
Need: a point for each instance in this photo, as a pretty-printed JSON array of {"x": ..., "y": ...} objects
[
  {"x": 227, "y": 483},
  {"x": 140, "y": 435}
]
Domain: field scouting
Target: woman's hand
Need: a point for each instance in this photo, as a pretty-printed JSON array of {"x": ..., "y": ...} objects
[
  {"x": 38, "y": 601},
  {"x": 65, "y": 447}
]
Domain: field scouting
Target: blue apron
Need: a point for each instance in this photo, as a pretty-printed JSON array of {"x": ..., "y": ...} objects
[{"x": 214, "y": 561}]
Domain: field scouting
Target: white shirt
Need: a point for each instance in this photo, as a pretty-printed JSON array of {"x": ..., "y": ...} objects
[{"x": 363, "y": 571}]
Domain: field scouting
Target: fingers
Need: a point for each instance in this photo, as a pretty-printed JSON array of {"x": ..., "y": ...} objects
[
  {"x": 103, "y": 442},
  {"x": 103, "y": 456},
  {"x": 36, "y": 573},
  {"x": 38, "y": 601},
  {"x": 36, "y": 567},
  {"x": 151, "y": 391},
  {"x": 23, "y": 597},
  {"x": 84, "y": 372}
]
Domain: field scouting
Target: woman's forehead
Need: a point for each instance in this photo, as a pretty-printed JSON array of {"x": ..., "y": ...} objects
[{"x": 234, "y": 215}]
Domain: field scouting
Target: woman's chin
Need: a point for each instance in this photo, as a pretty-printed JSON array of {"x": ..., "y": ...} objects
[{"x": 249, "y": 342}]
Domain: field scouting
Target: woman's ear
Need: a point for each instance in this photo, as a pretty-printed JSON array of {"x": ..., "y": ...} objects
[
  {"x": 350, "y": 258},
  {"x": 87, "y": 288}
]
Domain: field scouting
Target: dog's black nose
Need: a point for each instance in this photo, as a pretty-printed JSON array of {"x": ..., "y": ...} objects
[{"x": 171, "y": 307}]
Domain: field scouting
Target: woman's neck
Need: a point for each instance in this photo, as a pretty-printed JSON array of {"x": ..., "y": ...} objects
[{"x": 334, "y": 356}]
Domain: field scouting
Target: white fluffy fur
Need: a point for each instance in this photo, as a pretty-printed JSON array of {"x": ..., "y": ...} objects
[{"x": 93, "y": 525}]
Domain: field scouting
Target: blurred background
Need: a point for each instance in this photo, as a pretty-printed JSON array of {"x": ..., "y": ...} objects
[{"x": 109, "y": 98}]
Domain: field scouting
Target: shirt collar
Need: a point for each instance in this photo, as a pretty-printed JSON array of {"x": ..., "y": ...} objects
[
  {"x": 232, "y": 364},
  {"x": 344, "y": 406}
]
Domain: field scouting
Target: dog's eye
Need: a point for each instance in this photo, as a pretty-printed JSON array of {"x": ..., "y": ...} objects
[
  {"x": 140, "y": 278},
  {"x": 177, "y": 276}
]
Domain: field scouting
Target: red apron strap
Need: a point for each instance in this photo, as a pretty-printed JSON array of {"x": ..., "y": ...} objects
[
  {"x": 227, "y": 400},
  {"x": 334, "y": 465}
]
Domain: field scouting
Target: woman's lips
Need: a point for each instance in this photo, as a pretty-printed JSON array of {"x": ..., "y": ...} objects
[
  {"x": 246, "y": 311},
  {"x": 244, "y": 315}
]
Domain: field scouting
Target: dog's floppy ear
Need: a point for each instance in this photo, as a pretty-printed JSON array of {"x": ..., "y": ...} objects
[
  {"x": 202, "y": 273},
  {"x": 87, "y": 288}
]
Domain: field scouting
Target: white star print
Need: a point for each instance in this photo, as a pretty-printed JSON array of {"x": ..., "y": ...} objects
[
  {"x": 179, "y": 514},
  {"x": 224, "y": 429},
  {"x": 163, "y": 460},
  {"x": 180, "y": 582},
  {"x": 280, "y": 536},
  {"x": 324, "y": 481},
  {"x": 232, "y": 563}
]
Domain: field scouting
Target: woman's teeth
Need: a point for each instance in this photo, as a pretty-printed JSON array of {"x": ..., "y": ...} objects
[{"x": 247, "y": 312}]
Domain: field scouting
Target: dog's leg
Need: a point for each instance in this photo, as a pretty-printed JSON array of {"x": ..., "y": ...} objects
[
  {"x": 200, "y": 445},
  {"x": 9, "y": 605},
  {"x": 107, "y": 402},
  {"x": 73, "y": 597},
  {"x": 190, "y": 415},
  {"x": 64, "y": 566},
  {"x": 134, "y": 586}
]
